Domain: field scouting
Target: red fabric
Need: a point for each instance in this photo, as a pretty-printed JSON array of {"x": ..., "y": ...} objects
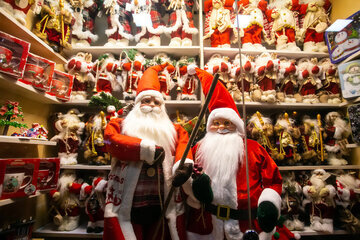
[
  {"x": 218, "y": 38},
  {"x": 14, "y": 6},
  {"x": 246, "y": 85},
  {"x": 79, "y": 86},
  {"x": 150, "y": 80},
  {"x": 333, "y": 88},
  {"x": 252, "y": 34},
  {"x": 112, "y": 229},
  {"x": 103, "y": 85},
  {"x": 266, "y": 84},
  {"x": 288, "y": 88},
  {"x": 75, "y": 188},
  {"x": 97, "y": 216},
  {"x": 312, "y": 36},
  {"x": 68, "y": 145},
  {"x": 289, "y": 32},
  {"x": 307, "y": 89}
]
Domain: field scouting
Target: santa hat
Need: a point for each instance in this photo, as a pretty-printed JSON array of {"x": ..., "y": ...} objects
[
  {"x": 221, "y": 105},
  {"x": 149, "y": 84}
]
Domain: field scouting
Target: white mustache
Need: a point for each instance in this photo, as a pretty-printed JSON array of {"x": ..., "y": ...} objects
[
  {"x": 148, "y": 109},
  {"x": 223, "y": 131}
]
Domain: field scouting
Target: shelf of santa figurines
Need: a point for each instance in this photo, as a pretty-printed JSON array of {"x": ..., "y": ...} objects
[
  {"x": 97, "y": 51},
  {"x": 325, "y": 167},
  {"x": 13, "y": 200},
  {"x": 26, "y": 140},
  {"x": 291, "y": 106},
  {"x": 11, "y": 26},
  {"x": 86, "y": 167},
  {"x": 49, "y": 231},
  {"x": 232, "y": 52}
]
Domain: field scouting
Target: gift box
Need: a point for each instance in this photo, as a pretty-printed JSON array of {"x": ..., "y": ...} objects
[
  {"x": 38, "y": 72},
  {"x": 61, "y": 85},
  {"x": 18, "y": 177},
  {"x": 48, "y": 174},
  {"x": 349, "y": 74},
  {"x": 13, "y": 54}
]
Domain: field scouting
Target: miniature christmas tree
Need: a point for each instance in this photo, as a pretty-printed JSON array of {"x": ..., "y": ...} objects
[{"x": 8, "y": 113}]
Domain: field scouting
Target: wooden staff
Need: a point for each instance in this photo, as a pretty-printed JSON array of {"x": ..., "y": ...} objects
[
  {"x": 321, "y": 139},
  {"x": 61, "y": 5}
]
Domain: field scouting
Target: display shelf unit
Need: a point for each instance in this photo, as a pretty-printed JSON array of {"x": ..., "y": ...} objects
[
  {"x": 86, "y": 167},
  {"x": 13, "y": 200},
  {"x": 26, "y": 140},
  {"x": 326, "y": 167},
  {"x": 49, "y": 231},
  {"x": 10, "y": 25},
  {"x": 290, "y": 106}
]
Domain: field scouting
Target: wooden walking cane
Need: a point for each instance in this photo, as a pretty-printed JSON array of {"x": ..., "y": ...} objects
[
  {"x": 187, "y": 149},
  {"x": 321, "y": 138}
]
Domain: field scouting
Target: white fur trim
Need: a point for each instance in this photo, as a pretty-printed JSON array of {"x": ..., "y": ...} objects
[
  {"x": 333, "y": 149},
  {"x": 267, "y": 236},
  {"x": 153, "y": 93},
  {"x": 229, "y": 114},
  {"x": 147, "y": 151},
  {"x": 176, "y": 165},
  {"x": 186, "y": 27},
  {"x": 101, "y": 186},
  {"x": 191, "y": 69},
  {"x": 272, "y": 196},
  {"x": 177, "y": 24},
  {"x": 82, "y": 191}
]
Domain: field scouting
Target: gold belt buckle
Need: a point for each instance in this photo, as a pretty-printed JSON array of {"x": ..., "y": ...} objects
[{"x": 219, "y": 207}]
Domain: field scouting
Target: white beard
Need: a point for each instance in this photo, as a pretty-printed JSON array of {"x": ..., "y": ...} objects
[
  {"x": 220, "y": 156},
  {"x": 317, "y": 182},
  {"x": 65, "y": 196}
]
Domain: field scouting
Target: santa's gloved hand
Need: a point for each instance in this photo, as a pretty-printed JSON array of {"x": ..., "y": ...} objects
[
  {"x": 267, "y": 216},
  {"x": 182, "y": 175},
  {"x": 159, "y": 155},
  {"x": 201, "y": 185}
]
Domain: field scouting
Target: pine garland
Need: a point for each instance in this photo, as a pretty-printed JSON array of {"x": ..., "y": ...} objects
[{"x": 104, "y": 100}]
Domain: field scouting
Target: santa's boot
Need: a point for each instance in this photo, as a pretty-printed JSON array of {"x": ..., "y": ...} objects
[
  {"x": 292, "y": 47},
  {"x": 154, "y": 41},
  {"x": 248, "y": 46},
  {"x": 316, "y": 224},
  {"x": 310, "y": 47},
  {"x": 175, "y": 42},
  {"x": 186, "y": 42},
  {"x": 143, "y": 42},
  {"x": 90, "y": 227},
  {"x": 328, "y": 225},
  {"x": 299, "y": 225},
  {"x": 321, "y": 47},
  {"x": 271, "y": 96},
  {"x": 111, "y": 43},
  {"x": 122, "y": 42}
]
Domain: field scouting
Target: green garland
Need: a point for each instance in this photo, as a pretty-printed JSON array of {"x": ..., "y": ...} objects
[{"x": 104, "y": 100}]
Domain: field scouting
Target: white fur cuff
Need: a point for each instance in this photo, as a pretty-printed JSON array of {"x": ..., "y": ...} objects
[
  {"x": 100, "y": 187},
  {"x": 272, "y": 196},
  {"x": 147, "y": 151},
  {"x": 176, "y": 165}
]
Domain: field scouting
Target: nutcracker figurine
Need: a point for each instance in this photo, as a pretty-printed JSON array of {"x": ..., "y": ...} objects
[
  {"x": 219, "y": 23},
  {"x": 181, "y": 24},
  {"x": 287, "y": 81},
  {"x": 330, "y": 92},
  {"x": 104, "y": 71},
  {"x": 187, "y": 84},
  {"x": 17, "y": 8},
  {"x": 309, "y": 81},
  {"x": 165, "y": 76},
  {"x": 54, "y": 26},
  {"x": 80, "y": 67}
]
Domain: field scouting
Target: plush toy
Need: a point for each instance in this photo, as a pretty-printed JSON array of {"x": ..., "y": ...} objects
[
  {"x": 84, "y": 13},
  {"x": 80, "y": 67},
  {"x": 65, "y": 203},
  {"x": 95, "y": 149},
  {"x": 330, "y": 92},
  {"x": 284, "y": 25},
  {"x": 17, "y": 8},
  {"x": 105, "y": 74},
  {"x": 254, "y": 32},
  {"x": 287, "y": 82},
  {"x": 70, "y": 128},
  {"x": 310, "y": 141},
  {"x": 181, "y": 24},
  {"x": 94, "y": 197},
  {"x": 186, "y": 79},
  {"x": 54, "y": 26},
  {"x": 221, "y": 65},
  {"x": 291, "y": 202},
  {"x": 319, "y": 201},
  {"x": 166, "y": 75},
  {"x": 219, "y": 23},
  {"x": 337, "y": 130},
  {"x": 309, "y": 81},
  {"x": 266, "y": 71},
  {"x": 315, "y": 20},
  {"x": 247, "y": 75},
  {"x": 132, "y": 69}
]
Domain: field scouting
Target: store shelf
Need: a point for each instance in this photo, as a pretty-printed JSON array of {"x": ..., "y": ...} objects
[
  {"x": 309, "y": 232},
  {"x": 10, "y": 25},
  {"x": 326, "y": 167},
  {"x": 86, "y": 167},
  {"x": 231, "y": 52},
  {"x": 11, "y": 83},
  {"x": 290, "y": 106},
  {"x": 96, "y": 51},
  {"x": 49, "y": 230},
  {"x": 347, "y": 103},
  {"x": 13, "y": 200},
  {"x": 26, "y": 140}
]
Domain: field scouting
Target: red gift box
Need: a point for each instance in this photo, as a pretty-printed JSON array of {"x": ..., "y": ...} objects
[
  {"x": 48, "y": 174},
  {"x": 61, "y": 85}
]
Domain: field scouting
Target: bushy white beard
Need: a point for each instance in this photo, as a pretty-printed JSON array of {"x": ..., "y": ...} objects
[
  {"x": 220, "y": 156},
  {"x": 65, "y": 196},
  {"x": 348, "y": 181},
  {"x": 317, "y": 182}
]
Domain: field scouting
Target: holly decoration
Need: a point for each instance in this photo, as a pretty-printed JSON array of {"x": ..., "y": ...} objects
[{"x": 8, "y": 113}]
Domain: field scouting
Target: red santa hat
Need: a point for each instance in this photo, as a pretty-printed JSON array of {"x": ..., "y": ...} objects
[
  {"x": 149, "y": 84},
  {"x": 221, "y": 105}
]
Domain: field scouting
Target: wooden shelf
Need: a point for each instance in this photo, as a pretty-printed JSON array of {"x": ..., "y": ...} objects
[
  {"x": 13, "y": 200},
  {"x": 309, "y": 232},
  {"x": 11, "y": 26},
  {"x": 326, "y": 167},
  {"x": 49, "y": 231},
  {"x": 290, "y": 106},
  {"x": 26, "y": 140},
  {"x": 86, "y": 167}
]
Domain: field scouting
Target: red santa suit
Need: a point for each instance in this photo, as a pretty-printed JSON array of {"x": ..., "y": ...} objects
[
  {"x": 310, "y": 82},
  {"x": 104, "y": 73},
  {"x": 187, "y": 82},
  {"x": 131, "y": 185},
  {"x": 247, "y": 74}
]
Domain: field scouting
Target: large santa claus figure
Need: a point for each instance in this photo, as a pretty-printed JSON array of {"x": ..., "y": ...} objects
[
  {"x": 145, "y": 147},
  {"x": 221, "y": 155}
]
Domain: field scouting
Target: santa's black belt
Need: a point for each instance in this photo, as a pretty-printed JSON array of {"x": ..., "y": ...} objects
[{"x": 225, "y": 213}]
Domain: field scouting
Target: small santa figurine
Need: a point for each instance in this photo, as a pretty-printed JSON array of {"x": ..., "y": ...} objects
[
  {"x": 221, "y": 65},
  {"x": 186, "y": 80},
  {"x": 166, "y": 75},
  {"x": 309, "y": 79},
  {"x": 319, "y": 201},
  {"x": 287, "y": 81},
  {"x": 219, "y": 23},
  {"x": 330, "y": 91},
  {"x": 70, "y": 129},
  {"x": 80, "y": 67},
  {"x": 18, "y": 8},
  {"x": 94, "y": 198}
]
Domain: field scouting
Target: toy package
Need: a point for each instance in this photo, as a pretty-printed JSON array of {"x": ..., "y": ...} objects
[
  {"x": 13, "y": 54},
  {"x": 349, "y": 74},
  {"x": 341, "y": 44},
  {"x": 38, "y": 72},
  {"x": 61, "y": 85},
  {"x": 48, "y": 174}
]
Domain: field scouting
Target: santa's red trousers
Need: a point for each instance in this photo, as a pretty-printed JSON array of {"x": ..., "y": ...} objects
[
  {"x": 267, "y": 84},
  {"x": 308, "y": 89},
  {"x": 103, "y": 85},
  {"x": 312, "y": 36},
  {"x": 252, "y": 34},
  {"x": 246, "y": 85},
  {"x": 180, "y": 33},
  {"x": 218, "y": 38},
  {"x": 288, "y": 88},
  {"x": 289, "y": 32},
  {"x": 333, "y": 88}
]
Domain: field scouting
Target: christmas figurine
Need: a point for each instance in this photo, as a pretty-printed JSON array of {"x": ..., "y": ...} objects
[
  {"x": 287, "y": 82},
  {"x": 315, "y": 20},
  {"x": 221, "y": 65},
  {"x": 330, "y": 92},
  {"x": 95, "y": 149},
  {"x": 80, "y": 67},
  {"x": 54, "y": 26},
  {"x": 132, "y": 69},
  {"x": 319, "y": 201},
  {"x": 105, "y": 74},
  {"x": 254, "y": 32},
  {"x": 219, "y": 23},
  {"x": 337, "y": 130},
  {"x": 284, "y": 25},
  {"x": 84, "y": 13},
  {"x": 186, "y": 80},
  {"x": 247, "y": 75},
  {"x": 94, "y": 197},
  {"x": 18, "y": 8},
  {"x": 66, "y": 203},
  {"x": 266, "y": 74},
  {"x": 166, "y": 75},
  {"x": 181, "y": 24},
  {"x": 70, "y": 128},
  {"x": 309, "y": 81}
]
